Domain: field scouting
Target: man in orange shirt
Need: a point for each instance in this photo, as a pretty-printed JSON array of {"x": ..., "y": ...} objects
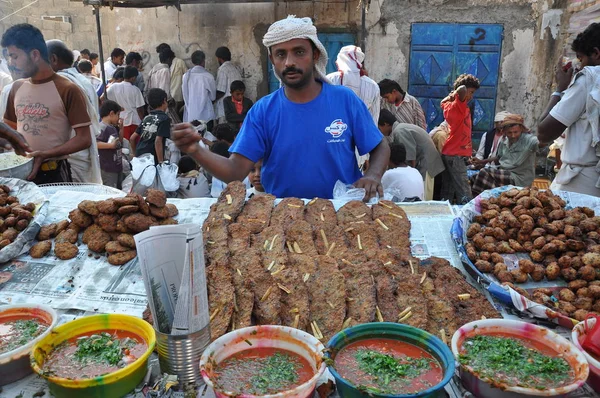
[{"x": 458, "y": 148}]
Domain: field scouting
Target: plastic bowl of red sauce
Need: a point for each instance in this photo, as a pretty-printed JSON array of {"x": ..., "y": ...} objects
[
  {"x": 21, "y": 326},
  {"x": 389, "y": 360},
  {"x": 263, "y": 361},
  {"x": 502, "y": 358},
  {"x": 577, "y": 336}
]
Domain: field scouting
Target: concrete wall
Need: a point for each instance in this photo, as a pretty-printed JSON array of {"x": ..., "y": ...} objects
[{"x": 533, "y": 32}]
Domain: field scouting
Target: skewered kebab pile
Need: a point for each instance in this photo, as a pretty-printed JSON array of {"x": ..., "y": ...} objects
[{"x": 311, "y": 268}]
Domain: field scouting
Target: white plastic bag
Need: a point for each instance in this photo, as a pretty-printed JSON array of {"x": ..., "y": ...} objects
[
  {"x": 342, "y": 191},
  {"x": 167, "y": 173},
  {"x": 140, "y": 169}
]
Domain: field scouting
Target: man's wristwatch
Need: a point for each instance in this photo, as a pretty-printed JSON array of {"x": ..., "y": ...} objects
[{"x": 558, "y": 94}]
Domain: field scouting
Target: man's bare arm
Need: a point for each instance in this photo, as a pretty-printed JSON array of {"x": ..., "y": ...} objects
[
  {"x": 234, "y": 168},
  {"x": 549, "y": 128}
]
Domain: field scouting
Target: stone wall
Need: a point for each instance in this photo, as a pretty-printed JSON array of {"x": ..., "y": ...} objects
[{"x": 533, "y": 35}]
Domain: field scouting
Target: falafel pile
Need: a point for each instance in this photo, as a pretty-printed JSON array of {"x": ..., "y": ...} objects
[
  {"x": 106, "y": 226},
  {"x": 561, "y": 244},
  {"x": 14, "y": 216}
]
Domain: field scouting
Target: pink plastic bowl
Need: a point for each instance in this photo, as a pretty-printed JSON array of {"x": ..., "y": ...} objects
[
  {"x": 283, "y": 337},
  {"x": 577, "y": 333},
  {"x": 484, "y": 388}
]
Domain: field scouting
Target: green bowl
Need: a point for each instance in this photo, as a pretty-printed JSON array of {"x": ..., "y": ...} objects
[{"x": 396, "y": 331}]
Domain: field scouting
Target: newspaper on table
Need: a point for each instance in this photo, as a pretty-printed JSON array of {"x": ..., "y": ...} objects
[{"x": 171, "y": 259}]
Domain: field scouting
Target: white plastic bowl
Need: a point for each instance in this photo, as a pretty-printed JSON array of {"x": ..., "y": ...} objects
[
  {"x": 489, "y": 388},
  {"x": 14, "y": 365},
  {"x": 20, "y": 171},
  {"x": 282, "y": 337},
  {"x": 579, "y": 331}
]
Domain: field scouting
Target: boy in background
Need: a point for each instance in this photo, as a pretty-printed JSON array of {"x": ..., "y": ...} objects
[
  {"x": 151, "y": 135},
  {"x": 130, "y": 98},
  {"x": 224, "y": 132},
  {"x": 192, "y": 183},
  {"x": 109, "y": 144},
  {"x": 401, "y": 179},
  {"x": 236, "y": 106},
  {"x": 458, "y": 147},
  {"x": 254, "y": 177}
]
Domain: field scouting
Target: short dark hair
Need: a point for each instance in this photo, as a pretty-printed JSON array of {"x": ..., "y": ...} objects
[
  {"x": 386, "y": 117},
  {"x": 84, "y": 66},
  {"x": 93, "y": 56},
  {"x": 109, "y": 106},
  {"x": 586, "y": 41},
  {"x": 85, "y": 51},
  {"x": 166, "y": 55},
  {"x": 130, "y": 71},
  {"x": 397, "y": 153},
  {"x": 61, "y": 51},
  {"x": 132, "y": 56},
  {"x": 237, "y": 85},
  {"x": 198, "y": 57},
  {"x": 162, "y": 46},
  {"x": 220, "y": 148},
  {"x": 25, "y": 37},
  {"x": 467, "y": 80},
  {"x": 187, "y": 164},
  {"x": 116, "y": 53},
  {"x": 119, "y": 73},
  {"x": 156, "y": 97},
  {"x": 223, "y": 53},
  {"x": 386, "y": 86},
  {"x": 224, "y": 132}
]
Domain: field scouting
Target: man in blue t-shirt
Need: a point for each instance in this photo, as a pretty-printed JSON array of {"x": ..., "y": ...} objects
[{"x": 305, "y": 132}]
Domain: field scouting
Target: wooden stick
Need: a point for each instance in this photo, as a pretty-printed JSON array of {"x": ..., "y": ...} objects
[
  {"x": 361, "y": 215},
  {"x": 322, "y": 217},
  {"x": 423, "y": 278},
  {"x": 396, "y": 215},
  {"x": 346, "y": 323},
  {"x": 229, "y": 199},
  {"x": 238, "y": 271},
  {"x": 271, "y": 265},
  {"x": 330, "y": 249},
  {"x": 359, "y": 243},
  {"x": 443, "y": 336},
  {"x": 382, "y": 224},
  {"x": 214, "y": 314},
  {"x": 267, "y": 293},
  {"x": 406, "y": 311},
  {"x": 289, "y": 246},
  {"x": 405, "y": 317},
  {"x": 306, "y": 277},
  {"x": 278, "y": 271},
  {"x": 293, "y": 205},
  {"x": 325, "y": 241},
  {"x": 297, "y": 248},
  {"x": 378, "y": 313},
  {"x": 385, "y": 205},
  {"x": 273, "y": 242},
  {"x": 296, "y": 321},
  {"x": 285, "y": 289},
  {"x": 312, "y": 201},
  {"x": 412, "y": 269}
]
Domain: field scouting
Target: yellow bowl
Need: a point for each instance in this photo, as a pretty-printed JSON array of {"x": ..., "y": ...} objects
[{"x": 111, "y": 385}]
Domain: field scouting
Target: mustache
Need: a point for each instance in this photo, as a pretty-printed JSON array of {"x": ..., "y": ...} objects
[{"x": 291, "y": 70}]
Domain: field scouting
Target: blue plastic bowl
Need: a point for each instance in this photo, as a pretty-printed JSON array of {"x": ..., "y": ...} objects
[{"x": 388, "y": 330}]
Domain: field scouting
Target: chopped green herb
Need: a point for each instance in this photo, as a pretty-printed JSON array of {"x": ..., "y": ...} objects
[
  {"x": 99, "y": 348},
  {"x": 508, "y": 360},
  {"x": 23, "y": 332},
  {"x": 385, "y": 368},
  {"x": 278, "y": 371}
]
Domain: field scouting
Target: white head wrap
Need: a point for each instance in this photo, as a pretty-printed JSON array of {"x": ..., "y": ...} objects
[
  {"x": 349, "y": 63},
  {"x": 76, "y": 54},
  {"x": 500, "y": 116},
  {"x": 297, "y": 28}
]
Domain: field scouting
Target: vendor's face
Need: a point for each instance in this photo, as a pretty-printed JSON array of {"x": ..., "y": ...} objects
[
  {"x": 22, "y": 64},
  {"x": 589, "y": 60},
  {"x": 513, "y": 133},
  {"x": 294, "y": 62}
]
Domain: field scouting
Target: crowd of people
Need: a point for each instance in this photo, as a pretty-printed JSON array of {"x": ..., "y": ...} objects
[{"x": 85, "y": 122}]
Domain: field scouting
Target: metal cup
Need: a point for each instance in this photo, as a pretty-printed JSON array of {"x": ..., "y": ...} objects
[{"x": 180, "y": 354}]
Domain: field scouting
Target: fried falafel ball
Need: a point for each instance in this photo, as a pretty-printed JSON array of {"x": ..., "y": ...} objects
[
  {"x": 553, "y": 271},
  {"x": 122, "y": 258},
  {"x": 526, "y": 266},
  {"x": 519, "y": 276},
  {"x": 80, "y": 218},
  {"x": 65, "y": 250},
  {"x": 539, "y": 273},
  {"x": 46, "y": 232},
  {"x": 568, "y": 274},
  {"x": 505, "y": 276},
  {"x": 40, "y": 249},
  {"x": 156, "y": 197},
  {"x": 587, "y": 273},
  {"x": 484, "y": 266},
  {"x": 566, "y": 295}
]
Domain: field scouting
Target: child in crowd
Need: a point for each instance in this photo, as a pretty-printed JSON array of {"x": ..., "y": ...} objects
[
  {"x": 224, "y": 132},
  {"x": 221, "y": 148},
  {"x": 109, "y": 144},
  {"x": 151, "y": 135},
  {"x": 130, "y": 98},
  {"x": 400, "y": 179},
  {"x": 192, "y": 183},
  {"x": 254, "y": 177},
  {"x": 236, "y": 106}
]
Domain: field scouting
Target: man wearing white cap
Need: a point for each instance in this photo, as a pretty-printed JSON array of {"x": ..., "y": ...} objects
[
  {"x": 351, "y": 74},
  {"x": 305, "y": 132},
  {"x": 488, "y": 146}
]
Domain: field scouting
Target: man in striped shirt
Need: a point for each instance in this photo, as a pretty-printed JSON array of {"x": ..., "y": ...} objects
[{"x": 404, "y": 106}]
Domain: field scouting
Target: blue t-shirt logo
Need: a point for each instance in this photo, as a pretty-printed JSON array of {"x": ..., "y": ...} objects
[{"x": 336, "y": 128}]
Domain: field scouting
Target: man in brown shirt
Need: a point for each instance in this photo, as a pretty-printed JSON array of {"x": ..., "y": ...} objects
[{"x": 44, "y": 106}]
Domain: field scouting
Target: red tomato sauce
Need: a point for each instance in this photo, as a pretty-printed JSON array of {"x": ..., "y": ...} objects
[
  {"x": 62, "y": 361},
  {"x": 18, "y": 330},
  {"x": 348, "y": 366},
  {"x": 262, "y": 371}
]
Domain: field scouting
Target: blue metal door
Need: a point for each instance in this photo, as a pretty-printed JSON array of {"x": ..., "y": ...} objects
[
  {"x": 439, "y": 53},
  {"x": 332, "y": 42}
]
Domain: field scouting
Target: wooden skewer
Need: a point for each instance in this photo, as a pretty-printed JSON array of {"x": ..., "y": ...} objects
[
  {"x": 378, "y": 313},
  {"x": 210, "y": 242},
  {"x": 405, "y": 317},
  {"x": 314, "y": 332},
  {"x": 273, "y": 242},
  {"x": 325, "y": 241},
  {"x": 348, "y": 229},
  {"x": 346, "y": 323},
  {"x": 346, "y": 262},
  {"x": 385, "y": 205},
  {"x": 235, "y": 307},
  {"x": 406, "y": 311},
  {"x": 359, "y": 243},
  {"x": 322, "y": 218},
  {"x": 229, "y": 199},
  {"x": 214, "y": 314},
  {"x": 267, "y": 293},
  {"x": 320, "y": 335},
  {"x": 396, "y": 215},
  {"x": 296, "y": 321},
  {"x": 443, "y": 336},
  {"x": 238, "y": 271},
  {"x": 388, "y": 263},
  {"x": 271, "y": 265},
  {"x": 330, "y": 249},
  {"x": 285, "y": 289},
  {"x": 412, "y": 269},
  {"x": 266, "y": 244},
  {"x": 361, "y": 215},
  {"x": 293, "y": 205},
  {"x": 278, "y": 271},
  {"x": 423, "y": 278},
  {"x": 382, "y": 224},
  {"x": 312, "y": 201},
  {"x": 289, "y": 246}
]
